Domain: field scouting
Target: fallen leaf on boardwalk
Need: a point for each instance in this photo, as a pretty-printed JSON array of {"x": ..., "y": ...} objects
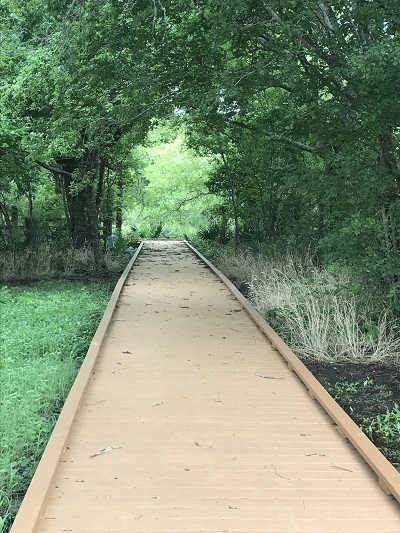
[
  {"x": 230, "y": 507},
  {"x": 103, "y": 450},
  {"x": 127, "y": 351},
  {"x": 267, "y": 377},
  {"x": 157, "y": 404},
  {"x": 197, "y": 444}
]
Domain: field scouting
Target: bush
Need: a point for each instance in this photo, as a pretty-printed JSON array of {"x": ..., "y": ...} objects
[{"x": 47, "y": 261}]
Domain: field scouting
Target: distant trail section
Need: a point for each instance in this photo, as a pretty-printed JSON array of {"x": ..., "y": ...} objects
[{"x": 191, "y": 422}]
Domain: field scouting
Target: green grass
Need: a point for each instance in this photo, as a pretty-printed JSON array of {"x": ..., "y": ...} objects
[{"x": 45, "y": 330}]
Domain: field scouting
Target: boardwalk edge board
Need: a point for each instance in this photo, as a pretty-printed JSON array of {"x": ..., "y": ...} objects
[
  {"x": 388, "y": 476},
  {"x": 35, "y": 498}
]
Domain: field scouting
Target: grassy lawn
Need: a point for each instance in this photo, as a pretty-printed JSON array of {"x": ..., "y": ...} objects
[{"x": 45, "y": 329}]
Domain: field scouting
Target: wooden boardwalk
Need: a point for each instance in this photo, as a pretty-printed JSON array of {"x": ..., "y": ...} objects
[{"x": 205, "y": 443}]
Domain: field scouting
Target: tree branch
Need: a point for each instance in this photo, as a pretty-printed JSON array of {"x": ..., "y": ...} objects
[
  {"x": 270, "y": 82},
  {"x": 273, "y": 14},
  {"x": 188, "y": 200},
  {"x": 285, "y": 140},
  {"x": 241, "y": 124},
  {"x": 328, "y": 16},
  {"x": 54, "y": 170},
  {"x": 274, "y": 136}
]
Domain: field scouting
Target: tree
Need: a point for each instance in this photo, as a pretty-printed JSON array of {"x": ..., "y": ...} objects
[
  {"x": 315, "y": 78},
  {"x": 84, "y": 92},
  {"x": 169, "y": 185}
]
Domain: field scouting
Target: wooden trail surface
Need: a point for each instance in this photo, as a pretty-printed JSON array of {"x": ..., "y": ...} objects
[{"x": 204, "y": 427}]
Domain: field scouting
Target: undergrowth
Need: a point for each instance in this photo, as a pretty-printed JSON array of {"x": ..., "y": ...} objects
[
  {"x": 46, "y": 328},
  {"x": 335, "y": 329},
  {"x": 372, "y": 403},
  {"x": 383, "y": 427},
  {"x": 48, "y": 261},
  {"x": 314, "y": 310}
]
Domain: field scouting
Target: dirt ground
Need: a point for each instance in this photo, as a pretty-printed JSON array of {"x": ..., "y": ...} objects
[{"x": 364, "y": 391}]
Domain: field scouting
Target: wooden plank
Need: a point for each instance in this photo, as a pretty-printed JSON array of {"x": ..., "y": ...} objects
[{"x": 389, "y": 478}]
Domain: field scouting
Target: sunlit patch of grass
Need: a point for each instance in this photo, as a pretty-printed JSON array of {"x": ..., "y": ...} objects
[{"x": 45, "y": 330}]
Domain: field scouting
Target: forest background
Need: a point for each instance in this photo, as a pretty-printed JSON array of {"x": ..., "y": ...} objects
[{"x": 295, "y": 105}]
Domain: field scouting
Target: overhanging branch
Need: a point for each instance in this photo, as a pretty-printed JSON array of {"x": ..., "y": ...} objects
[
  {"x": 297, "y": 144},
  {"x": 274, "y": 136},
  {"x": 54, "y": 170},
  {"x": 190, "y": 199}
]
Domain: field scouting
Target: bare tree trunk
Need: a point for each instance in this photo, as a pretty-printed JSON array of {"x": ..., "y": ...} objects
[
  {"x": 118, "y": 214},
  {"x": 82, "y": 213},
  {"x": 107, "y": 211},
  {"x": 8, "y": 225},
  {"x": 233, "y": 196}
]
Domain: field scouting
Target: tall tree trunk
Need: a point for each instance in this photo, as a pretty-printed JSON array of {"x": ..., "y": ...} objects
[
  {"x": 107, "y": 212},
  {"x": 390, "y": 164},
  {"x": 233, "y": 195},
  {"x": 100, "y": 183},
  {"x": 93, "y": 225},
  {"x": 82, "y": 210}
]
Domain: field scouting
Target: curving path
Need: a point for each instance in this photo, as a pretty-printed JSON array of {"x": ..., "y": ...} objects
[{"x": 205, "y": 443}]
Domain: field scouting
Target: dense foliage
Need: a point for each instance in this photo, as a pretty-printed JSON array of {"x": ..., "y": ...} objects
[
  {"x": 296, "y": 102},
  {"x": 299, "y": 102},
  {"x": 168, "y": 196}
]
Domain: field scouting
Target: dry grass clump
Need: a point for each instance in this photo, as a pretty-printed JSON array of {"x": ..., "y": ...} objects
[
  {"x": 314, "y": 310},
  {"x": 47, "y": 261}
]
